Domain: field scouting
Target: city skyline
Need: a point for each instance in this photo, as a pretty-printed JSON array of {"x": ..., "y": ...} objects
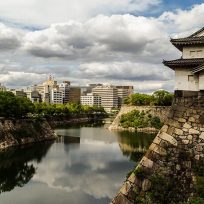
[{"x": 87, "y": 42}]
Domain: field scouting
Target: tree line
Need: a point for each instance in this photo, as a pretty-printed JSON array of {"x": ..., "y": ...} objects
[
  {"x": 158, "y": 98},
  {"x": 12, "y": 106}
]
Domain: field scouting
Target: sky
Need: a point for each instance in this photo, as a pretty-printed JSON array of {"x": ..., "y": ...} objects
[{"x": 119, "y": 42}]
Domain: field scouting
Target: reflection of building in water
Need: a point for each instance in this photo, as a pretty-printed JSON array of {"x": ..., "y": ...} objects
[{"x": 68, "y": 139}]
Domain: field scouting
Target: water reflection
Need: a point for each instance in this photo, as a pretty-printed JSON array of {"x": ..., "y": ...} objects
[
  {"x": 85, "y": 165},
  {"x": 134, "y": 144},
  {"x": 15, "y": 169}
]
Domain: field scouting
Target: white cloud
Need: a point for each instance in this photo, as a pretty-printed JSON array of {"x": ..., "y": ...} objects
[
  {"x": 10, "y": 38},
  {"x": 52, "y": 11},
  {"x": 184, "y": 20},
  {"x": 125, "y": 71},
  {"x": 15, "y": 79},
  {"x": 115, "y": 48},
  {"x": 102, "y": 38}
]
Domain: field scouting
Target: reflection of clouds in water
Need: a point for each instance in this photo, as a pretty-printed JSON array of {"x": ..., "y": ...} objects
[
  {"x": 36, "y": 192},
  {"x": 96, "y": 168}
]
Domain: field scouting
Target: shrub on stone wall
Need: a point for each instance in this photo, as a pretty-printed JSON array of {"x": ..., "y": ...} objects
[
  {"x": 158, "y": 98},
  {"x": 139, "y": 119}
]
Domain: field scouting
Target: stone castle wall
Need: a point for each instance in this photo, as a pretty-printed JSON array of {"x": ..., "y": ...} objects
[
  {"x": 178, "y": 146},
  {"x": 24, "y": 131},
  {"x": 159, "y": 111}
]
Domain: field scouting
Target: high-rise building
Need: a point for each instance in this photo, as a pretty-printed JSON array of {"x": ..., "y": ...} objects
[
  {"x": 46, "y": 88},
  {"x": 91, "y": 100},
  {"x": 33, "y": 94},
  {"x": 123, "y": 92},
  {"x": 20, "y": 93},
  {"x": 65, "y": 88},
  {"x": 74, "y": 94},
  {"x": 109, "y": 96},
  {"x": 56, "y": 96}
]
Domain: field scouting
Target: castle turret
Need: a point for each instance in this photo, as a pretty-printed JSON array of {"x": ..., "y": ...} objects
[{"x": 189, "y": 69}]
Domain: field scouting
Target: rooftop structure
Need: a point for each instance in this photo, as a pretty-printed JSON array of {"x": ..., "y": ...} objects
[{"x": 189, "y": 69}]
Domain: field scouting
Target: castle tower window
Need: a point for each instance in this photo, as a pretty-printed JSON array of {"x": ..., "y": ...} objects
[
  {"x": 192, "y": 53},
  {"x": 199, "y": 53}
]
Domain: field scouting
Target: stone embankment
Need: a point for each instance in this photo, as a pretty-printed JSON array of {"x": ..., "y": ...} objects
[
  {"x": 57, "y": 122},
  {"x": 24, "y": 131},
  {"x": 61, "y": 121},
  {"x": 159, "y": 111},
  {"x": 175, "y": 151}
]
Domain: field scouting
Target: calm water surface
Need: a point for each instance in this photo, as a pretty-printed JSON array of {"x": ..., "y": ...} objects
[{"x": 86, "y": 165}]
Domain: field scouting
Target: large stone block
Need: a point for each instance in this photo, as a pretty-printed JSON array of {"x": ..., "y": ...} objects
[
  {"x": 157, "y": 140},
  {"x": 202, "y": 136},
  {"x": 146, "y": 185},
  {"x": 146, "y": 162},
  {"x": 125, "y": 188},
  {"x": 168, "y": 138},
  {"x": 178, "y": 131},
  {"x": 193, "y": 131},
  {"x": 192, "y": 119},
  {"x": 121, "y": 199},
  {"x": 187, "y": 126},
  {"x": 182, "y": 120}
]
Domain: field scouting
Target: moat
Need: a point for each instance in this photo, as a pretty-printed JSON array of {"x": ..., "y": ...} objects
[{"x": 85, "y": 165}]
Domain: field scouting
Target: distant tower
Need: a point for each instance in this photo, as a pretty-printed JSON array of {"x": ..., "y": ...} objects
[{"x": 51, "y": 77}]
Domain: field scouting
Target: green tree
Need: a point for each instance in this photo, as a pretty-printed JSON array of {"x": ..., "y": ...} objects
[
  {"x": 162, "y": 98},
  {"x": 14, "y": 106}
]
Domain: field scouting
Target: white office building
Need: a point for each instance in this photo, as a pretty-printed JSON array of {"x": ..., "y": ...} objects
[
  {"x": 65, "y": 88},
  {"x": 56, "y": 96},
  {"x": 109, "y": 96},
  {"x": 91, "y": 100}
]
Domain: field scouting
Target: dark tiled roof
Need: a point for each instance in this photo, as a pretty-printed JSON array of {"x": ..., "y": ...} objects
[
  {"x": 190, "y": 40},
  {"x": 197, "y": 32},
  {"x": 198, "y": 69},
  {"x": 191, "y": 63},
  {"x": 180, "y": 42}
]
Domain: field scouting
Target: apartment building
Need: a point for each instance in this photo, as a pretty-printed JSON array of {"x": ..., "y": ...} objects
[
  {"x": 123, "y": 92},
  {"x": 56, "y": 96},
  {"x": 74, "y": 94},
  {"x": 109, "y": 96},
  {"x": 65, "y": 88},
  {"x": 91, "y": 100}
]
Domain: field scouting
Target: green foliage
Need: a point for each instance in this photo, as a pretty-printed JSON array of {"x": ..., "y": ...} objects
[
  {"x": 166, "y": 190},
  {"x": 158, "y": 98},
  {"x": 140, "y": 173},
  {"x": 200, "y": 186},
  {"x": 138, "y": 99},
  {"x": 66, "y": 109},
  {"x": 162, "y": 98},
  {"x": 196, "y": 201},
  {"x": 139, "y": 119},
  {"x": 14, "y": 106},
  {"x": 156, "y": 122}
]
